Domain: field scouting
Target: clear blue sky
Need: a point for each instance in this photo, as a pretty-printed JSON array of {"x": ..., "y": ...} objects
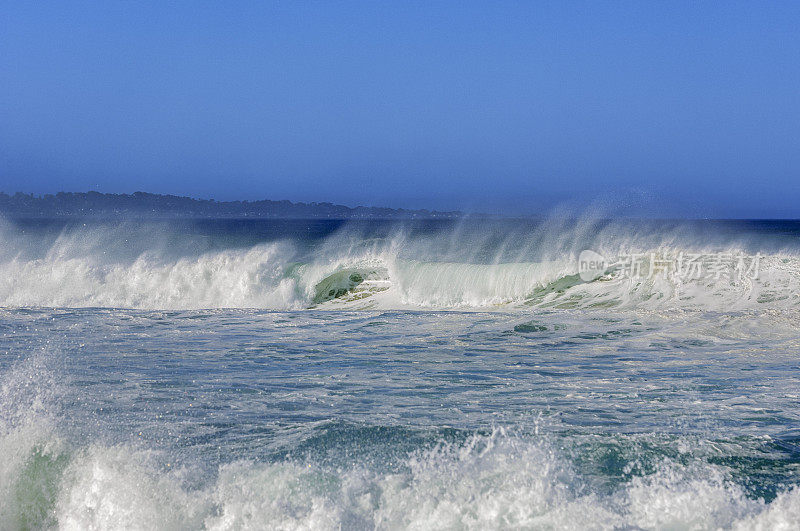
[{"x": 668, "y": 108}]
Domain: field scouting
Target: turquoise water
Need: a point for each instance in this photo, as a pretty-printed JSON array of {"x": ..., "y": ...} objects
[{"x": 212, "y": 381}]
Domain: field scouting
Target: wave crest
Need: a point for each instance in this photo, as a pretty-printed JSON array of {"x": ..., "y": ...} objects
[{"x": 110, "y": 268}]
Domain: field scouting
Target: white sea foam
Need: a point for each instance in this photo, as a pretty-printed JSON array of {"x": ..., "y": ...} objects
[
  {"x": 102, "y": 267},
  {"x": 487, "y": 482},
  {"x": 496, "y": 480}
]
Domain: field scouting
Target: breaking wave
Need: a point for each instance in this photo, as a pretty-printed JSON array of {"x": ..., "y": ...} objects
[
  {"x": 453, "y": 269},
  {"x": 495, "y": 480}
]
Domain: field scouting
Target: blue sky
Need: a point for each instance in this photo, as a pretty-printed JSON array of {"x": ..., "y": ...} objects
[{"x": 662, "y": 108}]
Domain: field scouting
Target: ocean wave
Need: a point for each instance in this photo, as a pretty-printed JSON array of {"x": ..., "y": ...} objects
[
  {"x": 494, "y": 481},
  {"x": 59, "y": 473},
  {"x": 103, "y": 268}
]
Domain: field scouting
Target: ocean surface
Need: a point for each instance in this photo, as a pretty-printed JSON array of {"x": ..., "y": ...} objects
[{"x": 224, "y": 374}]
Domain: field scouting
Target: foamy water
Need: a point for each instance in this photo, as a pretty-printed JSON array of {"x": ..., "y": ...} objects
[
  {"x": 441, "y": 267},
  {"x": 240, "y": 376}
]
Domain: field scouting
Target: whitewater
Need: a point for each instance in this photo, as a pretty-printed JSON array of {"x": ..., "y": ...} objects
[{"x": 296, "y": 374}]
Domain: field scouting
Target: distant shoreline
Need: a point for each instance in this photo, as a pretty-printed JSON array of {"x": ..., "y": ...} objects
[{"x": 143, "y": 204}]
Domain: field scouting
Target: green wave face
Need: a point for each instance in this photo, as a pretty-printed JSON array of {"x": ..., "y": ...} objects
[{"x": 350, "y": 284}]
